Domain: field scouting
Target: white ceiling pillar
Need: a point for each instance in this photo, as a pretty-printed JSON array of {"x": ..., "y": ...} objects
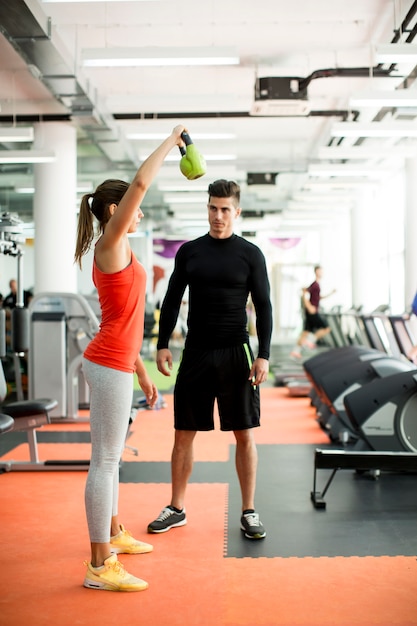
[{"x": 55, "y": 209}]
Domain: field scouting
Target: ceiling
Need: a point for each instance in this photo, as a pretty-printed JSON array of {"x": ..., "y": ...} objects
[{"x": 327, "y": 47}]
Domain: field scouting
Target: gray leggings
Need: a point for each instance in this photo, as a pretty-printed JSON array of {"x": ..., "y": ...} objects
[{"x": 110, "y": 406}]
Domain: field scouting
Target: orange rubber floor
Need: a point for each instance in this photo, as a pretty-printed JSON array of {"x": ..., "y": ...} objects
[{"x": 44, "y": 542}]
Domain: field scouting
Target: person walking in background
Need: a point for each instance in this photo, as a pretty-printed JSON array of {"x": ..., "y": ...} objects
[
  {"x": 314, "y": 327},
  {"x": 9, "y": 302},
  {"x": 221, "y": 270},
  {"x": 110, "y": 360}
]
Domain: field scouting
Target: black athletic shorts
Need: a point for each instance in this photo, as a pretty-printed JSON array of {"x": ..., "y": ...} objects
[
  {"x": 314, "y": 321},
  {"x": 222, "y": 374}
]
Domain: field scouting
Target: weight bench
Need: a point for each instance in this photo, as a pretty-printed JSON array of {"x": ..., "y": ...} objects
[
  {"x": 27, "y": 416},
  {"x": 6, "y": 423},
  {"x": 341, "y": 459}
]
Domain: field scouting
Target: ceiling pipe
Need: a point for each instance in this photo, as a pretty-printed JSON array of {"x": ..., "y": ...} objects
[
  {"x": 344, "y": 113},
  {"x": 351, "y": 72}
]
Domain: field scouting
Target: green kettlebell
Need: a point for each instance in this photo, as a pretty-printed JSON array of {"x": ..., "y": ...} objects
[{"x": 192, "y": 163}]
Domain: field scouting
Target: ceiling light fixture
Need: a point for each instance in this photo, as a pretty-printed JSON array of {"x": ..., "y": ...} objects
[
  {"x": 324, "y": 198},
  {"x": 324, "y": 208},
  {"x": 374, "y": 129},
  {"x": 288, "y": 222},
  {"x": 26, "y": 156},
  {"x": 71, "y": 1},
  {"x": 185, "y": 199},
  {"x": 85, "y": 187},
  {"x": 15, "y": 134},
  {"x": 154, "y": 57},
  {"x": 192, "y": 217},
  {"x": 31, "y": 190},
  {"x": 298, "y": 212},
  {"x": 396, "y": 98},
  {"x": 339, "y": 184},
  {"x": 25, "y": 190},
  {"x": 396, "y": 53},
  {"x": 364, "y": 153},
  {"x": 183, "y": 188},
  {"x": 327, "y": 171}
]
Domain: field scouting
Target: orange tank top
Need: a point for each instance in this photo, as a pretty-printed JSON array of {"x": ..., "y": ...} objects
[{"x": 122, "y": 302}]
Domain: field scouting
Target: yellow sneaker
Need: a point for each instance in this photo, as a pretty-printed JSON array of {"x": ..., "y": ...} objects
[
  {"x": 112, "y": 576},
  {"x": 124, "y": 543}
]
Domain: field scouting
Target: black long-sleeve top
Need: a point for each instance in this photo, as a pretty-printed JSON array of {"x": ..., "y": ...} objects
[{"x": 220, "y": 274}]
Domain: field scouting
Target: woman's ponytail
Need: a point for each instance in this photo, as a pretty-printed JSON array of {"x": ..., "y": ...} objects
[{"x": 85, "y": 229}]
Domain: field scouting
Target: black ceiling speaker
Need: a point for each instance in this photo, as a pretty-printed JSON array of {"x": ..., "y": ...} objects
[
  {"x": 261, "y": 178},
  {"x": 280, "y": 88}
]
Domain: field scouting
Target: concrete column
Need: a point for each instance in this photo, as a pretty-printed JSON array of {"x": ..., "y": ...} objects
[
  {"x": 368, "y": 236},
  {"x": 55, "y": 208},
  {"x": 410, "y": 235},
  {"x": 335, "y": 258}
]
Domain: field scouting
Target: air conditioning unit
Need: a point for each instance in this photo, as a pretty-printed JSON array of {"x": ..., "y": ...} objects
[{"x": 280, "y": 97}]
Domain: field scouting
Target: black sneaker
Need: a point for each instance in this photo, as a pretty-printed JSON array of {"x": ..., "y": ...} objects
[
  {"x": 252, "y": 526},
  {"x": 168, "y": 518}
]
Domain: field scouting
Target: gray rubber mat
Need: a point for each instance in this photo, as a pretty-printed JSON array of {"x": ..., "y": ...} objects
[{"x": 364, "y": 517}]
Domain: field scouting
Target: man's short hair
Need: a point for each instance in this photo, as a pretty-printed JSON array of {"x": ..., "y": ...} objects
[{"x": 225, "y": 189}]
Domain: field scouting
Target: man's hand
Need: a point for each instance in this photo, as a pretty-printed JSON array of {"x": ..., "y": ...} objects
[
  {"x": 164, "y": 359},
  {"x": 259, "y": 371}
]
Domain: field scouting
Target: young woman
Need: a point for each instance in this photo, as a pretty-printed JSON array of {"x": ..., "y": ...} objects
[{"x": 111, "y": 358}]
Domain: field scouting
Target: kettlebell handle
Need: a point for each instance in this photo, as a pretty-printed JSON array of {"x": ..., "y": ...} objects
[{"x": 186, "y": 138}]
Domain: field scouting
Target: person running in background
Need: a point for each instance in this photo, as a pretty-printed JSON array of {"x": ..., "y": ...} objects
[
  {"x": 221, "y": 269},
  {"x": 314, "y": 327},
  {"x": 110, "y": 360}
]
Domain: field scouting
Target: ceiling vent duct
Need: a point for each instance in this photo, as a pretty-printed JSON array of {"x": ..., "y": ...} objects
[
  {"x": 280, "y": 96},
  {"x": 31, "y": 33}
]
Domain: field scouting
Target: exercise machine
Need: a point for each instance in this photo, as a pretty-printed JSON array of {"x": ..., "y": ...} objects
[
  {"x": 27, "y": 416},
  {"x": 384, "y": 414},
  {"x": 334, "y": 360},
  {"x": 361, "y": 462},
  {"x": 403, "y": 332},
  {"x": 343, "y": 374},
  {"x": 61, "y": 326}
]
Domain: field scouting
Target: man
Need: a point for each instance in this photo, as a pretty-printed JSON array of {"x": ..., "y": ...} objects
[
  {"x": 221, "y": 269},
  {"x": 315, "y": 327},
  {"x": 10, "y": 300}
]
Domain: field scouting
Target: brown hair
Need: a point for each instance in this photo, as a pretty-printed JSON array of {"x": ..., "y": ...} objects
[
  {"x": 96, "y": 204},
  {"x": 225, "y": 189}
]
